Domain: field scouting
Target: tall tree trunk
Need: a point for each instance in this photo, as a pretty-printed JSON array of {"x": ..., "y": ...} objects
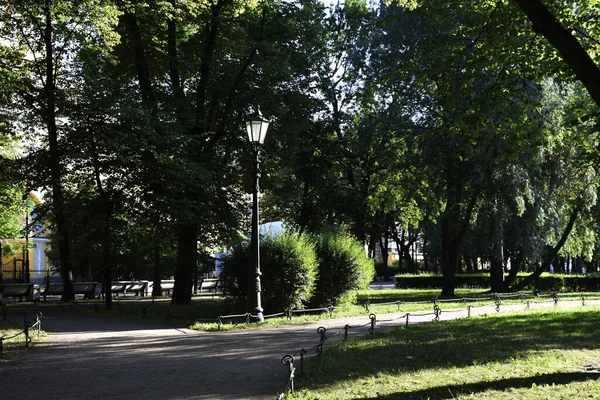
[
  {"x": 156, "y": 284},
  {"x": 551, "y": 252},
  {"x": 565, "y": 43},
  {"x": 425, "y": 258},
  {"x": 496, "y": 256},
  {"x": 187, "y": 257},
  {"x": 385, "y": 254},
  {"x": 515, "y": 266},
  {"x": 449, "y": 258},
  {"x": 107, "y": 210},
  {"x": 62, "y": 233},
  {"x": 454, "y": 225},
  {"x": 469, "y": 263}
]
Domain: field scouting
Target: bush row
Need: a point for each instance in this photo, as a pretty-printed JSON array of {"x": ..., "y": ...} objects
[
  {"x": 545, "y": 283},
  {"x": 297, "y": 271},
  {"x": 427, "y": 281}
]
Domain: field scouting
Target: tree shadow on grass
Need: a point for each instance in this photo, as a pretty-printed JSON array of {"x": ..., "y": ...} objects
[
  {"x": 451, "y": 391},
  {"x": 457, "y": 344}
]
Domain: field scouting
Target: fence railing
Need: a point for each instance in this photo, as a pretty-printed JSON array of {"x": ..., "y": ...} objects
[
  {"x": 31, "y": 323},
  {"x": 289, "y": 359},
  {"x": 368, "y": 306}
]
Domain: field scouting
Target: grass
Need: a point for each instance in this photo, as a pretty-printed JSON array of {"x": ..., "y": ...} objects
[
  {"x": 14, "y": 344},
  {"x": 539, "y": 354}
]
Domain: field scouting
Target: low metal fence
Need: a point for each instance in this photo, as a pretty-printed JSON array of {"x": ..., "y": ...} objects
[
  {"x": 368, "y": 306},
  {"x": 289, "y": 359},
  {"x": 31, "y": 323}
]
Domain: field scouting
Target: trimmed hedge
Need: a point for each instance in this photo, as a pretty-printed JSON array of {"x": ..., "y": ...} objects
[{"x": 546, "y": 282}]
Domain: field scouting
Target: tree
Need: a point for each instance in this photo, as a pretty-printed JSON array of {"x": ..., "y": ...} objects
[
  {"x": 45, "y": 34},
  {"x": 561, "y": 37}
]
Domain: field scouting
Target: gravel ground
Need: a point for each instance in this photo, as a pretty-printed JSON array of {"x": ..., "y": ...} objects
[{"x": 116, "y": 358}]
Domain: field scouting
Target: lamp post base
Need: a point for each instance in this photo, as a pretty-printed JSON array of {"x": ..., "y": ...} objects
[{"x": 260, "y": 316}]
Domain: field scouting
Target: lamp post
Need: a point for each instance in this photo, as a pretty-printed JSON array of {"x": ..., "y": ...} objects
[{"x": 257, "y": 126}]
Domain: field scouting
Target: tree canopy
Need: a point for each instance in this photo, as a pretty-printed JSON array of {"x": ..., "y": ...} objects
[{"x": 468, "y": 130}]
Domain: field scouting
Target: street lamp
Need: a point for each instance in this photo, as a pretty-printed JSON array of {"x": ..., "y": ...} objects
[{"x": 257, "y": 126}]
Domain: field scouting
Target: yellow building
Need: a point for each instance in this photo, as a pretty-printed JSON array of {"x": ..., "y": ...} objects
[{"x": 30, "y": 266}]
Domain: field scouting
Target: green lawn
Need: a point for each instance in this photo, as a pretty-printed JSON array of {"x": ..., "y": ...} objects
[
  {"x": 528, "y": 355},
  {"x": 14, "y": 343}
]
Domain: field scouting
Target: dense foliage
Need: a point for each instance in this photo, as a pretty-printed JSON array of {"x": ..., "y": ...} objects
[
  {"x": 289, "y": 270},
  {"x": 462, "y": 135},
  {"x": 343, "y": 267}
]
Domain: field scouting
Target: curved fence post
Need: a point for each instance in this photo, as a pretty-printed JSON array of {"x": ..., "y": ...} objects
[
  {"x": 302, "y": 353},
  {"x": 436, "y": 312},
  {"x": 26, "y": 330},
  {"x": 346, "y": 329},
  {"x": 321, "y": 330},
  {"x": 407, "y": 315},
  {"x": 373, "y": 319},
  {"x": 289, "y": 361}
]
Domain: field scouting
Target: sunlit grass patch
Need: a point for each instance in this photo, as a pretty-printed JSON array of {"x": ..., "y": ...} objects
[
  {"x": 13, "y": 343},
  {"x": 533, "y": 354}
]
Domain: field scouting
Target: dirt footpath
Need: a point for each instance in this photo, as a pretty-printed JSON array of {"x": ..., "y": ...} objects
[{"x": 108, "y": 357}]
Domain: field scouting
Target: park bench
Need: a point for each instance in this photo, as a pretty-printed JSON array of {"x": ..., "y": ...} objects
[
  {"x": 209, "y": 285},
  {"x": 137, "y": 287},
  {"x": 127, "y": 287},
  {"x": 87, "y": 289},
  {"x": 116, "y": 287},
  {"x": 20, "y": 290},
  {"x": 167, "y": 286}
]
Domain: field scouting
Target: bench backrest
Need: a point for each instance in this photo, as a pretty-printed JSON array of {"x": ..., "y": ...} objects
[
  {"x": 136, "y": 286},
  {"x": 118, "y": 286},
  {"x": 17, "y": 289},
  {"x": 167, "y": 285},
  {"x": 209, "y": 283},
  {"x": 57, "y": 289},
  {"x": 54, "y": 289},
  {"x": 84, "y": 287}
]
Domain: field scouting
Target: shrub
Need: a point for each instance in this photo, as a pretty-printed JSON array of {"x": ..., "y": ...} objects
[
  {"x": 565, "y": 283},
  {"x": 343, "y": 267},
  {"x": 288, "y": 266},
  {"x": 545, "y": 283},
  {"x": 430, "y": 281}
]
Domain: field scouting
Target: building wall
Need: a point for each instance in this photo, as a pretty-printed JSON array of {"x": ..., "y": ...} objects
[{"x": 13, "y": 268}]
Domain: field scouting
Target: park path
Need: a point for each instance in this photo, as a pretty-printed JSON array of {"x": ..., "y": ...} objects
[{"x": 97, "y": 356}]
